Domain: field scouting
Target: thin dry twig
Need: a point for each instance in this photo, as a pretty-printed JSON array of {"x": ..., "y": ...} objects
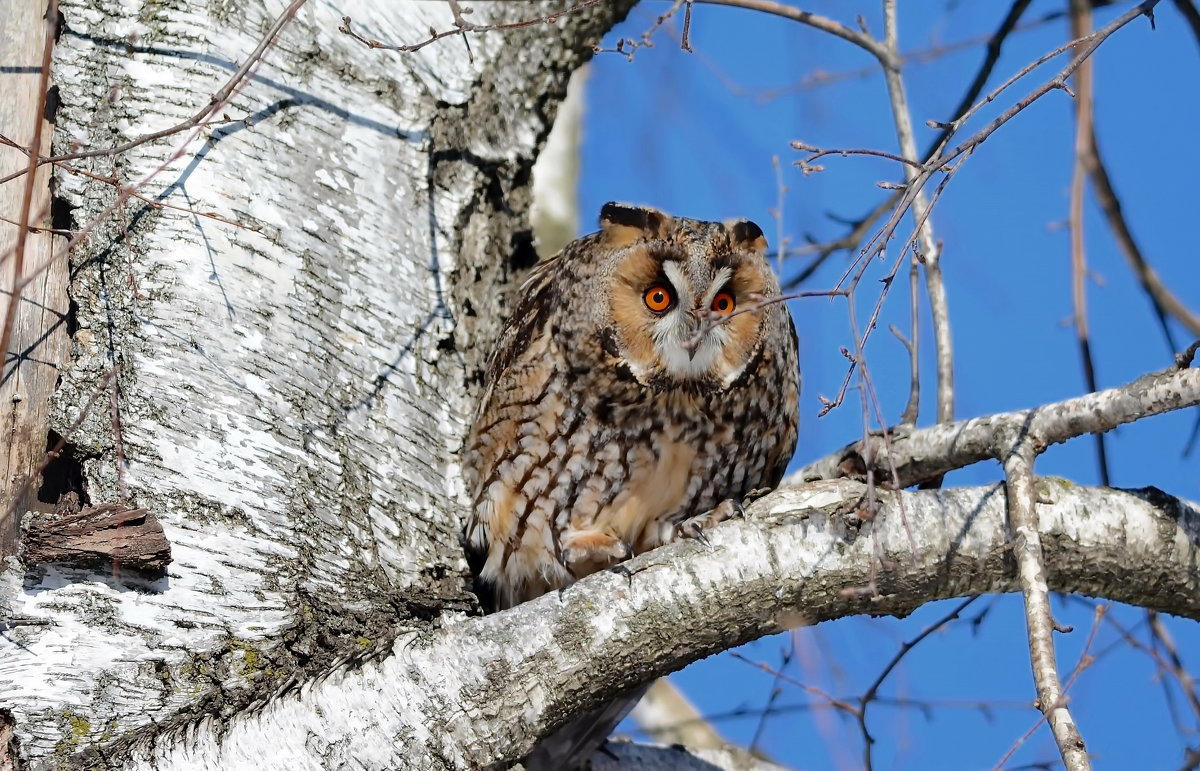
[
  {"x": 1081, "y": 25},
  {"x": 861, "y": 227},
  {"x": 823, "y": 23},
  {"x": 1166, "y": 303},
  {"x": 1192, "y": 16},
  {"x": 153, "y": 203},
  {"x": 125, "y": 192},
  {"x": 872, "y": 693},
  {"x": 215, "y": 102},
  {"x": 935, "y": 286},
  {"x": 1086, "y": 659},
  {"x": 1083, "y": 47},
  {"x": 1165, "y": 654},
  {"x": 811, "y": 690},
  {"x": 806, "y": 166},
  {"x": 954, "y": 158},
  {"x": 461, "y": 27},
  {"x": 628, "y": 46}
]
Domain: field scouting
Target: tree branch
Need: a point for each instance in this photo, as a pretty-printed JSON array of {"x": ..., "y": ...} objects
[
  {"x": 935, "y": 286},
  {"x": 928, "y": 453},
  {"x": 481, "y": 691},
  {"x": 1039, "y": 621}
]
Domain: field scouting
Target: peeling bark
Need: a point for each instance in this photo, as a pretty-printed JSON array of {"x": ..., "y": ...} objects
[{"x": 100, "y": 536}]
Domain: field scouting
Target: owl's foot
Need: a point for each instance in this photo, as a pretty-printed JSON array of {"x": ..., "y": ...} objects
[
  {"x": 694, "y": 527},
  {"x": 586, "y": 551}
]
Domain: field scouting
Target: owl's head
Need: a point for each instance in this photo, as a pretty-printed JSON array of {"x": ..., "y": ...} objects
[{"x": 675, "y": 287}]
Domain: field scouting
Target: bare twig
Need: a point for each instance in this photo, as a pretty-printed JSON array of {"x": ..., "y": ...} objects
[
  {"x": 811, "y": 690},
  {"x": 912, "y": 408},
  {"x": 1174, "y": 662},
  {"x": 712, "y": 320},
  {"x": 935, "y": 286},
  {"x": 215, "y": 102},
  {"x": 1188, "y": 10},
  {"x": 872, "y": 693},
  {"x": 823, "y": 23},
  {"x": 1019, "y": 451},
  {"x": 628, "y": 46},
  {"x": 778, "y": 213},
  {"x": 1084, "y": 48},
  {"x": 1085, "y": 661},
  {"x": 860, "y": 228},
  {"x": 1166, "y": 303},
  {"x": 1081, "y": 25},
  {"x": 461, "y": 27},
  {"x": 817, "y": 152},
  {"x": 132, "y": 192}
]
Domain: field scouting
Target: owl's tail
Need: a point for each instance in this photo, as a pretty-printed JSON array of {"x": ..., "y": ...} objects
[{"x": 568, "y": 747}]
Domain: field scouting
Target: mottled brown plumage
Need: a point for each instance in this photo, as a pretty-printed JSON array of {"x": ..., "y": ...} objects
[
  {"x": 640, "y": 386},
  {"x": 607, "y": 428}
]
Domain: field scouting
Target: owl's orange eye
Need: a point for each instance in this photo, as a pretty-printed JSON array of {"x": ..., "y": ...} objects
[
  {"x": 658, "y": 298},
  {"x": 723, "y": 303}
]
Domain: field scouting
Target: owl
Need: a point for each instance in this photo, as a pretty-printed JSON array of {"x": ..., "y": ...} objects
[{"x": 646, "y": 382}]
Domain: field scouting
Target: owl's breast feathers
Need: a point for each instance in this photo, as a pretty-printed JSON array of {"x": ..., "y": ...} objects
[
  {"x": 573, "y": 469},
  {"x": 573, "y": 462}
]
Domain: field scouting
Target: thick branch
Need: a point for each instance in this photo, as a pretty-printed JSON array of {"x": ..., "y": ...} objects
[
  {"x": 930, "y": 452},
  {"x": 481, "y": 691}
]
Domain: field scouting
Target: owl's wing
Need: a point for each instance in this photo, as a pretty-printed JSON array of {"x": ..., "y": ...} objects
[
  {"x": 516, "y": 370},
  {"x": 526, "y": 322}
]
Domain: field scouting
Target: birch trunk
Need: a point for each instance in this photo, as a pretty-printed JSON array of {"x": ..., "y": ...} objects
[{"x": 292, "y": 389}]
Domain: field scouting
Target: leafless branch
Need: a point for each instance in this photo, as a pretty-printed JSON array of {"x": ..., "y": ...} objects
[
  {"x": 1081, "y": 25},
  {"x": 1085, "y": 660},
  {"x": 863, "y": 226},
  {"x": 823, "y": 23},
  {"x": 1192, "y": 16},
  {"x": 929, "y": 452},
  {"x": 215, "y": 103},
  {"x": 872, "y": 691},
  {"x": 461, "y": 27},
  {"x": 1019, "y": 451},
  {"x": 935, "y": 286}
]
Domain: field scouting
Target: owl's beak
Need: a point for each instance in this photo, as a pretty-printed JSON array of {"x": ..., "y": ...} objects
[{"x": 694, "y": 319}]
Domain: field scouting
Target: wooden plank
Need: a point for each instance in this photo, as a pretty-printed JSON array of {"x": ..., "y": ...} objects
[{"x": 39, "y": 342}]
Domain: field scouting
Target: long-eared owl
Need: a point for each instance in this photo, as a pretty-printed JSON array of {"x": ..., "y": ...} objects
[{"x": 646, "y": 379}]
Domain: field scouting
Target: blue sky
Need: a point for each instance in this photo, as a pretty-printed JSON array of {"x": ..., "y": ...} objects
[{"x": 694, "y": 134}]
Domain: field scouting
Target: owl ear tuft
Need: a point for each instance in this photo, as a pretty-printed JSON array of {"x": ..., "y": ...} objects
[
  {"x": 746, "y": 235},
  {"x": 623, "y": 224}
]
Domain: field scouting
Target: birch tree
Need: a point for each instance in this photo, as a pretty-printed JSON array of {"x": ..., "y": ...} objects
[{"x": 253, "y": 265}]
